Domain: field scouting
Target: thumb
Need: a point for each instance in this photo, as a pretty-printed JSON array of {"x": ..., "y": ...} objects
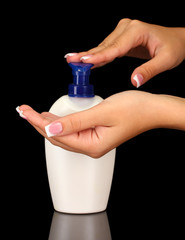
[
  {"x": 75, "y": 122},
  {"x": 146, "y": 71}
]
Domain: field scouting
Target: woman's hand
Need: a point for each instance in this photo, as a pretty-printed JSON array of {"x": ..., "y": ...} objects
[
  {"x": 165, "y": 47},
  {"x": 105, "y": 126}
]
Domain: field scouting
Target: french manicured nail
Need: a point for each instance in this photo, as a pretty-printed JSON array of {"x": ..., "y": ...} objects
[
  {"x": 70, "y": 55},
  {"x": 20, "y": 113},
  {"x": 138, "y": 79},
  {"x": 85, "y": 57},
  {"x": 53, "y": 129}
]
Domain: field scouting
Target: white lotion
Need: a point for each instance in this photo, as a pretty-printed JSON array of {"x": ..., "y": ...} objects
[{"x": 79, "y": 184}]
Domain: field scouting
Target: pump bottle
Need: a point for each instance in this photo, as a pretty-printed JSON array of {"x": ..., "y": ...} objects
[{"x": 78, "y": 183}]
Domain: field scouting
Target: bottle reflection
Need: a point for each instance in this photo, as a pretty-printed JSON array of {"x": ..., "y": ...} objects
[{"x": 80, "y": 227}]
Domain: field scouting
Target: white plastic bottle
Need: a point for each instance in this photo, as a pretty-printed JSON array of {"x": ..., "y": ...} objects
[{"x": 78, "y": 183}]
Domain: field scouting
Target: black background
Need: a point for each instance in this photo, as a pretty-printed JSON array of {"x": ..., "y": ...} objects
[{"x": 148, "y": 184}]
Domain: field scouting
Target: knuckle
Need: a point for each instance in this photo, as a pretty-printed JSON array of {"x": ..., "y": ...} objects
[
  {"x": 115, "y": 44},
  {"x": 148, "y": 72},
  {"x": 124, "y": 21},
  {"x": 114, "y": 47},
  {"x": 131, "y": 23},
  {"x": 135, "y": 22},
  {"x": 137, "y": 26},
  {"x": 104, "y": 44},
  {"x": 45, "y": 122}
]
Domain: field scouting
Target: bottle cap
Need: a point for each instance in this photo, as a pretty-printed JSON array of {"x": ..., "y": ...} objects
[{"x": 81, "y": 86}]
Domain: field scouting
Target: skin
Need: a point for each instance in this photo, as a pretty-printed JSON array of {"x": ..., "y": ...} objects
[
  {"x": 134, "y": 38},
  {"x": 132, "y": 112}
]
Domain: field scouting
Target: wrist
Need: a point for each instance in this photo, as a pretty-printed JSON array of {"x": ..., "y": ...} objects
[
  {"x": 170, "y": 112},
  {"x": 180, "y": 32}
]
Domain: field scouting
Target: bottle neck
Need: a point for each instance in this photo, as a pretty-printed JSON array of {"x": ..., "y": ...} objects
[{"x": 81, "y": 78}]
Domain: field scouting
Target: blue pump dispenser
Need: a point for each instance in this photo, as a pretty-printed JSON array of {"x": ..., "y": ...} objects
[{"x": 81, "y": 86}]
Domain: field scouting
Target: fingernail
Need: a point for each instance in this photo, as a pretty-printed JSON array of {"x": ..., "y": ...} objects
[
  {"x": 70, "y": 55},
  {"x": 20, "y": 113},
  {"x": 139, "y": 79},
  {"x": 86, "y": 57},
  {"x": 53, "y": 129}
]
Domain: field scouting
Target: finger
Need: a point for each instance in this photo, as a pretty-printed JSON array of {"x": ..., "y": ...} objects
[
  {"x": 119, "y": 47},
  {"x": 74, "y": 58},
  {"x": 108, "y": 41},
  {"x": 34, "y": 117},
  {"x": 57, "y": 142},
  {"x": 39, "y": 121},
  {"x": 77, "y": 122},
  {"x": 50, "y": 116},
  {"x": 69, "y": 142},
  {"x": 24, "y": 107},
  {"x": 151, "y": 68}
]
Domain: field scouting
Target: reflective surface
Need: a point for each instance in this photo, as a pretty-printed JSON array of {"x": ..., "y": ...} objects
[{"x": 80, "y": 227}]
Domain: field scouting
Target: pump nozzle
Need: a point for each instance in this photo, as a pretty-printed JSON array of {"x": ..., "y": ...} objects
[{"x": 81, "y": 86}]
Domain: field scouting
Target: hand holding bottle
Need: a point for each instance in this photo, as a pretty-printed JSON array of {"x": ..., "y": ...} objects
[
  {"x": 163, "y": 46},
  {"x": 105, "y": 126}
]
